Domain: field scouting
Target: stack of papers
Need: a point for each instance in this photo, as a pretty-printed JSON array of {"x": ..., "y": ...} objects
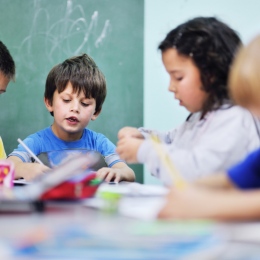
[{"x": 137, "y": 200}]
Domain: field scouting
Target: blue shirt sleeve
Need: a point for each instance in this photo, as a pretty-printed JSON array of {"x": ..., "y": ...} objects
[
  {"x": 108, "y": 150},
  {"x": 246, "y": 175}
]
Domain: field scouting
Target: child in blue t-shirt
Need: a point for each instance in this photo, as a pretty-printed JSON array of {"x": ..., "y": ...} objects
[
  {"x": 74, "y": 94},
  {"x": 234, "y": 194}
]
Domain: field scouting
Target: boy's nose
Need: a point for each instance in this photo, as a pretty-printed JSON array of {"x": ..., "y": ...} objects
[{"x": 74, "y": 106}]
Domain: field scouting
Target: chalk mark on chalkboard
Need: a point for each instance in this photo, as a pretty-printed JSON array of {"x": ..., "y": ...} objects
[
  {"x": 103, "y": 33},
  {"x": 68, "y": 36}
]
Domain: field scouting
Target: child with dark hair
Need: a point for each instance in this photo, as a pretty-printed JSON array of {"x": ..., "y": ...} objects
[
  {"x": 74, "y": 93},
  {"x": 217, "y": 134},
  {"x": 7, "y": 67},
  {"x": 234, "y": 194},
  {"x": 7, "y": 73}
]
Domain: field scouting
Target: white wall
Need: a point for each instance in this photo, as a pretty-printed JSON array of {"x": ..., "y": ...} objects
[{"x": 160, "y": 109}]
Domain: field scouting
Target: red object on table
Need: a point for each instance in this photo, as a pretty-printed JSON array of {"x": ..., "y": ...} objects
[{"x": 80, "y": 188}]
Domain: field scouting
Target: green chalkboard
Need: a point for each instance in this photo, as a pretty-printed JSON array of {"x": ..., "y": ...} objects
[{"x": 42, "y": 33}]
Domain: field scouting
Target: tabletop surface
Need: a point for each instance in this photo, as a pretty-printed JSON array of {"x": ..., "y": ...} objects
[{"x": 72, "y": 230}]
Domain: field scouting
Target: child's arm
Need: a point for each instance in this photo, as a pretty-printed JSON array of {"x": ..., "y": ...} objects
[
  {"x": 200, "y": 203},
  {"x": 143, "y": 133},
  {"x": 217, "y": 181},
  {"x": 118, "y": 172},
  {"x": 28, "y": 171}
]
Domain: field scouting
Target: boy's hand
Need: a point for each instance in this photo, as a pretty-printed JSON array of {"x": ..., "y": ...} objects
[
  {"x": 129, "y": 132},
  {"x": 109, "y": 174},
  {"x": 32, "y": 170},
  {"x": 28, "y": 171},
  {"x": 127, "y": 149},
  {"x": 118, "y": 172}
]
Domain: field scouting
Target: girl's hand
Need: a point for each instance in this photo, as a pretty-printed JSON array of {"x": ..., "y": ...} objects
[
  {"x": 127, "y": 149},
  {"x": 129, "y": 132}
]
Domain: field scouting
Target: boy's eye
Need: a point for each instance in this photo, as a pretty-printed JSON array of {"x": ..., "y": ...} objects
[
  {"x": 179, "y": 78},
  {"x": 84, "y": 104},
  {"x": 66, "y": 100}
]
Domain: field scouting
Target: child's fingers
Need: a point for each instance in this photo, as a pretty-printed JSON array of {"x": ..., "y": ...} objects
[
  {"x": 106, "y": 174},
  {"x": 167, "y": 211},
  {"x": 117, "y": 178},
  {"x": 123, "y": 132},
  {"x": 102, "y": 173},
  {"x": 44, "y": 168},
  {"x": 121, "y": 148},
  {"x": 110, "y": 176},
  {"x": 163, "y": 213},
  {"x": 129, "y": 132},
  {"x": 122, "y": 154}
]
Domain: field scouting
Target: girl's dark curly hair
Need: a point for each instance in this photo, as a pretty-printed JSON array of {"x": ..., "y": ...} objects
[{"x": 212, "y": 45}]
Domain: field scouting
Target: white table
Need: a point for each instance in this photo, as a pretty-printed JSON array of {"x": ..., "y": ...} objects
[{"x": 70, "y": 230}]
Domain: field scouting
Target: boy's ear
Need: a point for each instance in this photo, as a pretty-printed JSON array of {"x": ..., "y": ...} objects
[
  {"x": 94, "y": 117},
  {"x": 48, "y": 104}
]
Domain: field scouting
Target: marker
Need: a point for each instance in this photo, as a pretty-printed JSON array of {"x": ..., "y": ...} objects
[
  {"x": 29, "y": 151},
  {"x": 113, "y": 182}
]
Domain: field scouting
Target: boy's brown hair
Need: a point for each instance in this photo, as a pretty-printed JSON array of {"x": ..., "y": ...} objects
[{"x": 83, "y": 74}]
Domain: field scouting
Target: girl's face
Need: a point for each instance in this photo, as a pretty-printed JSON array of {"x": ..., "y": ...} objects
[
  {"x": 72, "y": 113},
  {"x": 185, "y": 81}
]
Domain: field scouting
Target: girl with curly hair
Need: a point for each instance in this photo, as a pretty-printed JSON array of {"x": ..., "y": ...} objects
[{"x": 217, "y": 134}]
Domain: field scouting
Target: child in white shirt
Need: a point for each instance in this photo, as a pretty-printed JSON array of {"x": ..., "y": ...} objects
[{"x": 217, "y": 134}]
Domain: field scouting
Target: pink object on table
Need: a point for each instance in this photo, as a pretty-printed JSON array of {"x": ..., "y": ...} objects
[{"x": 6, "y": 173}]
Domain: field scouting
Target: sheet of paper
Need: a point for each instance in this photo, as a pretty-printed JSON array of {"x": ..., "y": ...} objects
[
  {"x": 137, "y": 200},
  {"x": 248, "y": 232},
  {"x": 144, "y": 208}
]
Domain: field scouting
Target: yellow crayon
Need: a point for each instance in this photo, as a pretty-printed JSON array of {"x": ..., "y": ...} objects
[{"x": 178, "y": 180}]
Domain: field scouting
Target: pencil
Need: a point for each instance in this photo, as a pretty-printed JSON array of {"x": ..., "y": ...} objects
[
  {"x": 29, "y": 151},
  {"x": 178, "y": 180}
]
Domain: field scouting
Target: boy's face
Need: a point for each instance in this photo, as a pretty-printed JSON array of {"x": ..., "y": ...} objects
[
  {"x": 185, "y": 81},
  {"x": 72, "y": 113},
  {"x": 4, "y": 81}
]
